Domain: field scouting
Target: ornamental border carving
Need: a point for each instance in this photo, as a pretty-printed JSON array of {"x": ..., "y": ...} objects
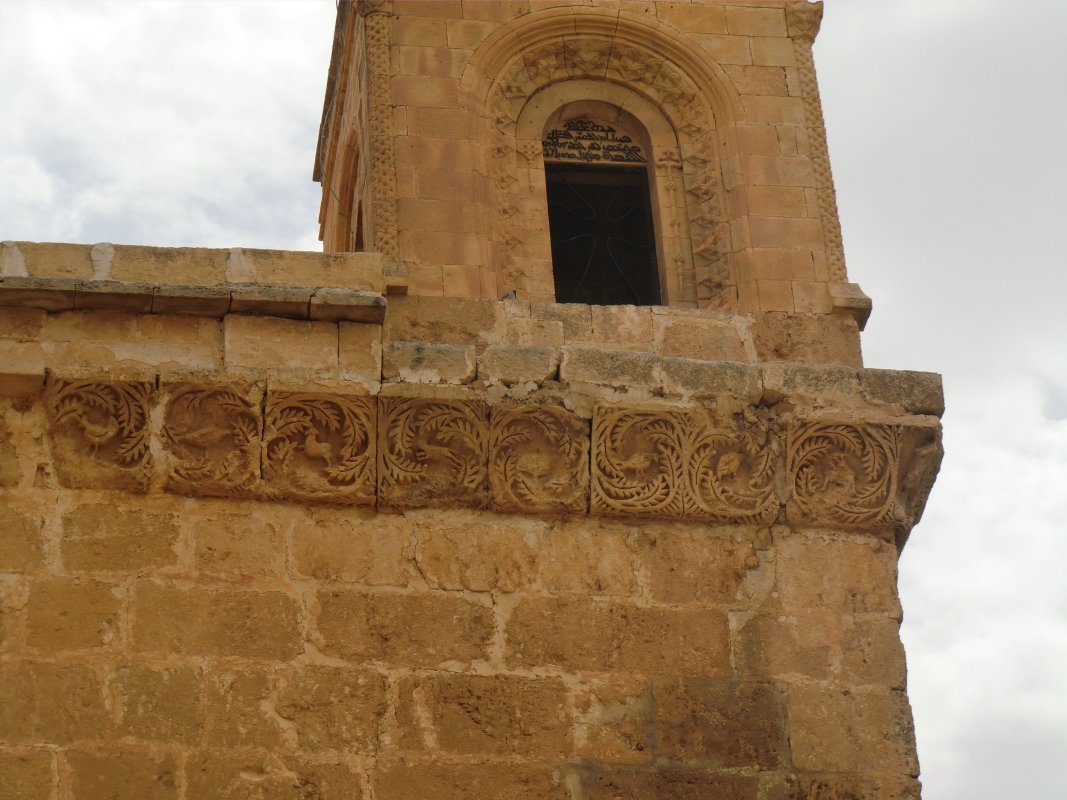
[{"x": 410, "y": 451}]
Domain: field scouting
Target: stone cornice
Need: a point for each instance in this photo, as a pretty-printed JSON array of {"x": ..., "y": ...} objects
[
  {"x": 434, "y": 446},
  {"x": 290, "y": 302}
]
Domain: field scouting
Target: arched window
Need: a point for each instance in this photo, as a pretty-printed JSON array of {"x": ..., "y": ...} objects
[{"x": 599, "y": 206}]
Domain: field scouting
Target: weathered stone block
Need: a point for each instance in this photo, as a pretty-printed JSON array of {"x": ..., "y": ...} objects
[
  {"x": 26, "y": 774},
  {"x": 728, "y": 378},
  {"x": 696, "y": 565},
  {"x": 701, "y": 337},
  {"x": 106, "y": 538},
  {"x": 617, "y": 368},
  {"x": 333, "y": 709},
  {"x": 272, "y": 343},
  {"x": 195, "y": 621},
  {"x": 420, "y": 362},
  {"x": 844, "y": 731},
  {"x": 823, "y": 572},
  {"x": 444, "y": 321},
  {"x": 71, "y": 614},
  {"x": 10, "y": 464},
  {"x": 252, "y": 774},
  {"x": 247, "y": 544},
  {"x": 613, "y": 721},
  {"x": 162, "y": 704},
  {"x": 198, "y": 266},
  {"x": 420, "y": 780},
  {"x": 486, "y": 555},
  {"x": 421, "y": 630},
  {"x": 595, "y": 558},
  {"x": 374, "y": 550},
  {"x": 503, "y": 715},
  {"x": 50, "y": 703},
  {"x": 677, "y": 783},
  {"x": 583, "y": 634},
  {"x": 915, "y": 392},
  {"x": 234, "y": 712},
  {"x": 807, "y": 338},
  {"x": 360, "y": 350},
  {"x": 722, "y": 723},
  {"x": 21, "y": 546},
  {"x": 115, "y": 774},
  {"x": 510, "y": 364}
]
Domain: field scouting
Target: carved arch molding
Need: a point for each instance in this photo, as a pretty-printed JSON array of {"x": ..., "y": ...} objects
[
  {"x": 407, "y": 451},
  {"x": 633, "y": 64}
]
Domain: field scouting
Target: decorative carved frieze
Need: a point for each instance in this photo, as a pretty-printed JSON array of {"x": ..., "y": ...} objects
[
  {"x": 539, "y": 459},
  {"x": 432, "y": 452},
  {"x": 843, "y": 473},
  {"x": 212, "y": 434},
  {"x": 519, "y": 457},
  {"x": 320, "y": 447},
  {"x": 99, "y": 433},
  {"x": 676, "y": 463}
]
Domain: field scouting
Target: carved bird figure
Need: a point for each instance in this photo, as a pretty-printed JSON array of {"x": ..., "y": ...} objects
[
  {"x": 97, "y": 433},
  {"x": 316, "y": 448}
]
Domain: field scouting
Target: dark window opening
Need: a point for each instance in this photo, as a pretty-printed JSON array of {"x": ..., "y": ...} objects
[{"x": 603, "y": 246}]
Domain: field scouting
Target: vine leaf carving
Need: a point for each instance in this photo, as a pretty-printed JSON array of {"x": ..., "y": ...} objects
[
  {"x": 539, "y": 459},
  {"x": 731, "y": 472},
  {"x": 677, "y": 463},
  {"x": 638, "y": 462},
  {"x": 212, "y": 434},
  {"x": 99, "y": 433},
  {"x": 432, "y": 452},
  {"x": 319, "y": 447},
  {"x": 843, "y": 474}
]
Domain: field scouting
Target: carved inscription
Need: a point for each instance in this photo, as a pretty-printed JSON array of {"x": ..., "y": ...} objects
[
  {"x": 539, "y": 459},
  {"x": 680, "y": 464},
  {"x": 591, "y": 143},
  {"x": 842, "y": 473},
  {"x": 320, "y": 447},
  {"x": 212, "y": 434},
  {"x": 432, "y": 452},
  {"x": 99, "y": 433}
]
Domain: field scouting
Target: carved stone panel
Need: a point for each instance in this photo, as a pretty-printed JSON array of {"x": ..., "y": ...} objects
[
  {"x": 677, "y": 463},
  {"x": 320, "y": 447},
  {"x": 99, "y": 433},
  {"x": 432, "y": 452},
  {"x": 842, "y": 473},
  {"x": 539, "y": 459},
  {"x": 638, "y": 462},
  {"x": 212, "y": 434},
  {"x": 730, "y": 471}
]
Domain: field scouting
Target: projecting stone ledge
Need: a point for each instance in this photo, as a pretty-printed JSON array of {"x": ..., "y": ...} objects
[{"x": 290, "y": 302}]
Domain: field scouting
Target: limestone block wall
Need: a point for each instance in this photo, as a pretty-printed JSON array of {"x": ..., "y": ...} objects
[
  {"x": 446, "y": 103},
  {"x": 320, "y": 539}
]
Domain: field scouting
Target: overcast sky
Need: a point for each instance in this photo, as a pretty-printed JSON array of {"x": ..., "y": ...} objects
[{"x": 194, "y": 123}]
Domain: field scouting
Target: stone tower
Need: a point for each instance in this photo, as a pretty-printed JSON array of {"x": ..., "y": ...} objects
[{"x": 557, "y": 476}]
